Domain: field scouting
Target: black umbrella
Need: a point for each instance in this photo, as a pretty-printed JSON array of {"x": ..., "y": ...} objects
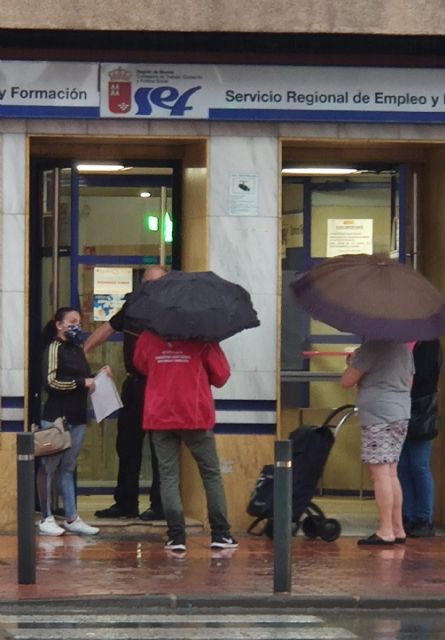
[{"x": 192, "y": 306}]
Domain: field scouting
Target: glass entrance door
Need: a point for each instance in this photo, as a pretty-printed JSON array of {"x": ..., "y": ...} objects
[
  {"x": 49, "y": 250},
  {"x": 98, "y": 229},
  {"x": 315, "y": 209}
]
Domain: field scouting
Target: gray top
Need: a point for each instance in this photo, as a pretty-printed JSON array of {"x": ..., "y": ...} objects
[{"x": 384, "y": 390}]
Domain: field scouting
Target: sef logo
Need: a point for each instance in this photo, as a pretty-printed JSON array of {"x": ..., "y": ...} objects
[{"x": 167, "y": 98}]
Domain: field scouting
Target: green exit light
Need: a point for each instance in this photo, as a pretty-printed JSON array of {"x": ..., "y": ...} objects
[
  {"x": 152, "y": 223},
  {"x": 168, "y": 228}
]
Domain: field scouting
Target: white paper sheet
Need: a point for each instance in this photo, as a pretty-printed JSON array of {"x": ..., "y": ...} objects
[{"x": 105, "y": 397}]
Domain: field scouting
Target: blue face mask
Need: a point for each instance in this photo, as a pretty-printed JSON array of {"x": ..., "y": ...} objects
[{"x": 73, "y": 333}]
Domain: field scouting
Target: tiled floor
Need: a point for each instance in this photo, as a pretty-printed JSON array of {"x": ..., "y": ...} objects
[
  {"x": 356, "y": 517},
  {"x": 128, "y": 559}
]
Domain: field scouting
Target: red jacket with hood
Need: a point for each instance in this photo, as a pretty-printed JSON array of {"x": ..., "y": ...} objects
[{"x": 179, "y": 374}]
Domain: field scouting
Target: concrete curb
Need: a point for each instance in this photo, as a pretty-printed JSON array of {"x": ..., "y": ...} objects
[{"x": 233, "y": 601}]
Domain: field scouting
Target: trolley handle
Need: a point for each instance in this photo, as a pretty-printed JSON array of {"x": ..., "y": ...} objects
[
  {"x": 343, "y": 419},
  {"x": 350, "y": 409}
]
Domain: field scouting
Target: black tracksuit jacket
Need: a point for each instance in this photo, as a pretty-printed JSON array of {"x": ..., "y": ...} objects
[{"x": 65, "y": 368}]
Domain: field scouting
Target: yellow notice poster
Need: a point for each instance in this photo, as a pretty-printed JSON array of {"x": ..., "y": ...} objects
[
  {"x": 113, "y": 280},
  {"x": 348, "y": 235}
]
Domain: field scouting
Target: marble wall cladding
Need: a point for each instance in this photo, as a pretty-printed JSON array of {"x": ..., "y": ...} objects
[
  {"x": 248, "y": 385},
  {"x": 13, "y": 252},
  {"x": 252, "y": 355},
  {"x": 238, "y": 155},
  {"x": 14, "y": 186},
  {"x": 13, "y": 382},
  {"x": 12, "y": 315},
  {"x": 10, "y": 125},
  {"x": 12, "y": 308},
  {"x": 57, "y": 127},
  {"x": 255, "y": 349},
  {"x": 244, "y": 249},
  {"x": 238, "y": 129}
]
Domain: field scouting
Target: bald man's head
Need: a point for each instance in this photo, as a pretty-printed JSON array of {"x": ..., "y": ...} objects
[{"x": 154, "y": 273}]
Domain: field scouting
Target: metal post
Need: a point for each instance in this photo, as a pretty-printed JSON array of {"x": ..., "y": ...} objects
[
  {"x": 25, "y": 509},
  {"x": 163, "y": 205},
  {"x": 55, "y": 261},
  {"x": 282, "y": 516}
]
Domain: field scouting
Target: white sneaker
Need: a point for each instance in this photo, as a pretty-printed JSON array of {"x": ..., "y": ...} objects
[
  {"x": 49, "y": 527},
  {"x": 81, "y": 527}
]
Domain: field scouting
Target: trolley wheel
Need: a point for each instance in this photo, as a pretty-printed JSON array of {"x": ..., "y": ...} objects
[
  {"x": 329, "y": 530},
  {"x": 311, "y": 526}
]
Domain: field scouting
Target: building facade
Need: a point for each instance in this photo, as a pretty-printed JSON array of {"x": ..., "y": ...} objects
[{"x": 213, "y": 109}]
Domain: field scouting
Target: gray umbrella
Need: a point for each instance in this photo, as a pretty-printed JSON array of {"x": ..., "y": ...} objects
[
  {"x": 192, "y": 306},
  {"x": 373, "y": 297}
]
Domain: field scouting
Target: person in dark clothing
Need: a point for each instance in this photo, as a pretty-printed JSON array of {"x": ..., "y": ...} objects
[
  {"x": 414, "y": 466},
  {"x": 130, "y": 436},
  {"x": 67, "y": 379}
]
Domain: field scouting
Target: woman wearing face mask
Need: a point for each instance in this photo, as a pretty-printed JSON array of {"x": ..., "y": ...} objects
[{"x": 67, "y": 380}]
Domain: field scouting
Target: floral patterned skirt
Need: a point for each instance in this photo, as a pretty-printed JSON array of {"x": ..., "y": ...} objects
[{"x": 382, "y": 443}]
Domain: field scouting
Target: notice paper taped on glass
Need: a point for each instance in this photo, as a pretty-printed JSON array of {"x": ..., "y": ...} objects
[{"x": 105, "y": 397}]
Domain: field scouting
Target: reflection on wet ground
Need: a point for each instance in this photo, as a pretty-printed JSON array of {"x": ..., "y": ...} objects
[{"x": 71, "y": 566}]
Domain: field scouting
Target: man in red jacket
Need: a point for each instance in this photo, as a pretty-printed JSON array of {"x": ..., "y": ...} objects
[{"x": 178, "y": 406}]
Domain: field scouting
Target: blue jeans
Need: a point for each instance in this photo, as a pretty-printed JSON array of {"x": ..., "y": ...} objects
[
  {"x": 416, "y": 480},
  {"x": 61, "y": 465}
]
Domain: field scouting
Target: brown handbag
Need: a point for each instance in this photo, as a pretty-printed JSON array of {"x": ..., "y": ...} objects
[{"x": 51, "y": 440}]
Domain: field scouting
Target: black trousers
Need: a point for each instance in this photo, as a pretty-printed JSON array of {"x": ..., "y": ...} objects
[{"x": 129, "y": 442}]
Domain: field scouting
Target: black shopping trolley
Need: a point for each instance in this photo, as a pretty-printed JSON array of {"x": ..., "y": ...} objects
[{"x": 311, "y": 446}]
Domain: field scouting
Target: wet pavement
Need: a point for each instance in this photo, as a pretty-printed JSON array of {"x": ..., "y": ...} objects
[
  {"x": 334, "y": 574},
  {"x": 51, "y": 624}
]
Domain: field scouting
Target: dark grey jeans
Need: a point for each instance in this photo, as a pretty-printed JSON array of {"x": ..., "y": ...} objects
[{"x": 201, "y": 443}]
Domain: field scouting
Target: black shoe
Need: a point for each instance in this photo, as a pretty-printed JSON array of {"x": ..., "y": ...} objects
[
  {"x": 375, "y": 541},
  {"x": 115, "y": 512},
  {"x": 223, "y": 541},
  {"x": 175, "y": 544},
  {"x": 422, "y": 529},
  {"x": 150, "y": 515}
]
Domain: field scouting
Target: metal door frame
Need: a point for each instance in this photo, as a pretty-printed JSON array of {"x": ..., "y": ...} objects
[
  {"x": 399, "y": 185},
  {"x": 37, "y": 168}
]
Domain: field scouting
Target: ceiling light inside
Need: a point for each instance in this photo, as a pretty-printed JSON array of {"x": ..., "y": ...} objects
[
  {"x": 106, "y": 168},
  {"x": 319, "y": 171}
]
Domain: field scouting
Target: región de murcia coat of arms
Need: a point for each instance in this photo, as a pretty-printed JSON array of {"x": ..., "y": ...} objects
[{"x": 119, "y": 90}]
